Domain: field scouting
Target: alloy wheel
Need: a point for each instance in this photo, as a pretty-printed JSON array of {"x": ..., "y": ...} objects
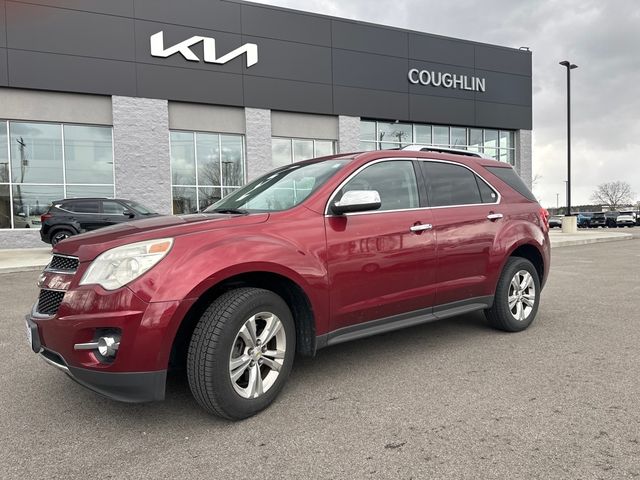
[
  {"x": 257, "y": 355},
  {"x": 522, "y": 295}
]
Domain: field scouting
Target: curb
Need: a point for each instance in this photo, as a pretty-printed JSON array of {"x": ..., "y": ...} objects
[
  {"x": 26, "y": 268},
  {"x": 588, "y": 241}
]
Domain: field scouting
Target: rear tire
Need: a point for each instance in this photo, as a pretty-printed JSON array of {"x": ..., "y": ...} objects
[
  {"x": 517, "y": 296},
  {"x": 241, "y": 352},
  {"x": 58, "y": 235}
]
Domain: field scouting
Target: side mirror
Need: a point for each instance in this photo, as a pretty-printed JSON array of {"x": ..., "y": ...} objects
[
  {"x": 128, "y": 213},
  {"x": 357, "y": 201}
]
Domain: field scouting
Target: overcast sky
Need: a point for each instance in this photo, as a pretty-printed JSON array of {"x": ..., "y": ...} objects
[{"x": 601, "y": 37}]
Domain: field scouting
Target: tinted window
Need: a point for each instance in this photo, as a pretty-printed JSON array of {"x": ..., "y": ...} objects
[
  {"x": 487, "y": 193},
  {"x": 113, "y": 208},
  {"x": 395, "y": 181},
  {"x": 511, "y": 178},
  {"x": 449, "y": 184},
  {"x": 82, "y": 206}
]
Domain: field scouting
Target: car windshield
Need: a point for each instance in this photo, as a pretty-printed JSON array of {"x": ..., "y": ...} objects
[
  {"x": 280, "y": 189},
  {"x": 138, "y": 207}
]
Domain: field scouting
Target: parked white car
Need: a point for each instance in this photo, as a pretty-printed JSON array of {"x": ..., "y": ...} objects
[{"x": 626, "y": 219}]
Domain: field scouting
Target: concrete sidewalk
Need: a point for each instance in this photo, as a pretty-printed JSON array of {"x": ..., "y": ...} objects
[
  {"x": 34, "y": 259},
  {"x": 24, "y": 259}
]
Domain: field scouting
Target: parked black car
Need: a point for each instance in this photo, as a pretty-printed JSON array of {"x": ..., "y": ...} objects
[
  {"x": 598, "y": 219},
  {"x": 612, "y": 219},
  {"x": 68, "y": 217}
]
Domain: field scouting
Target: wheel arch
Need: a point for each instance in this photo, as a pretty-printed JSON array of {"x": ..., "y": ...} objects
[
  {"x": 289, "y": 290},
  {"x": 529, "y": 252}
]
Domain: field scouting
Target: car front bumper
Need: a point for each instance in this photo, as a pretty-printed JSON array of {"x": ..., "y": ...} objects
[{"x": 131, "y": 387}]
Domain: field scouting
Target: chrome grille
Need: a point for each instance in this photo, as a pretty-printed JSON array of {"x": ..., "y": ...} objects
[
  {"x": 49, "y": 301},
  {"x": 63, "y": 264}
]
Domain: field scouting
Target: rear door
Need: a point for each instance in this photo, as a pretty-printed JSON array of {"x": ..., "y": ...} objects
[
  {"x": 85, "y": 213},
  {"x": 381, "y": 263},
  {"x": 466, "y": 218}
]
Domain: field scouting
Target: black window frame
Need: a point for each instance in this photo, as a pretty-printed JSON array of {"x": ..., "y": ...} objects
[{"x": 69, "y": 206}]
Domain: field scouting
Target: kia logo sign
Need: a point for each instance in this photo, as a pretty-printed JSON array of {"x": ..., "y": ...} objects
[
  {"x": 446, "y": 80},
  {"x": 209, "y": 46}
]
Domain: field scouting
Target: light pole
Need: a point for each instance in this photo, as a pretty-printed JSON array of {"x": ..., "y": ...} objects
[{"x": 570, "y": 66}]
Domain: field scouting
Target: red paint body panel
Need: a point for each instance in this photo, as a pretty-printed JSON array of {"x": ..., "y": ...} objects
[{"x": 353, "y": 268}]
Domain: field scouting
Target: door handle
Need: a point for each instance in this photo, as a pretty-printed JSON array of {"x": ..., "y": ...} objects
[
  {"x": 494, "y": 216},
  {"x": 421, "y": 227}
]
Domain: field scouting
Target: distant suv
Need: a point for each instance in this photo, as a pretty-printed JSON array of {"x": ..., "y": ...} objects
[
  {"x": 626, "y": 219},
  {"x": 310, "y": 255},
  {"x": 72, "y": 216},
  {"x": 598, "y": 219}
]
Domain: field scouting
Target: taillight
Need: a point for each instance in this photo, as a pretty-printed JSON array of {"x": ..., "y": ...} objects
[
  {"x": 544, "y": 217},
  {"x": 45, "y": 217}
]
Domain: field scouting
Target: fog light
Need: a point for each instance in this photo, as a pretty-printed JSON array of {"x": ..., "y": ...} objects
[{"x": 108, "y": 346}]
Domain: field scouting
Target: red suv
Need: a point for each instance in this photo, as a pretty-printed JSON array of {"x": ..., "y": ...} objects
[{"x": 310, "y": 255}]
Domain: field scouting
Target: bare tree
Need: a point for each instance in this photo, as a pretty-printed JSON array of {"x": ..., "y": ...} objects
[{"x": 613, "y": 194}]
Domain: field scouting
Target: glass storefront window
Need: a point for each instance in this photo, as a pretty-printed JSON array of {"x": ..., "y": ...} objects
[
  {"x": 323, "y": 148},
  {"x": 88, "y": 154},
  {"x": 79, "y": 191},
  {"x": 41, "y": 162},
  {"x": 287, "y": 150},
  {"x": 208, "y": 148},
  {"x": 422, "y": 134},
  {"x": 183, "y": 164},
  {"x": 5, "y": 207},
  {"x": 36, "y": 152},
  {"x": 475, "y": 137},
  {"x": 202, "y": 165},
  {"x": 302, "y": 149},
  {"x": 401, "y": 133},
  {"x": 232, "y": 164},
  {"x": 185, "y": 200},
  {"x": 281, "y": 153},
  {"x": 497, "y": 144},
  {"x": 4, "y": 154},
  {"x": 31, "y": 201},
  {"x": 440, "y": 135},
  {"x": 458, "y": 137},
  {"x": 367, "y": 130},
  {"x": 491, "y": 138}
]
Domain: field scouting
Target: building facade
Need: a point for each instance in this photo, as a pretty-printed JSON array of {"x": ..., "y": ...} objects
[{"x": 176, "y": 104}]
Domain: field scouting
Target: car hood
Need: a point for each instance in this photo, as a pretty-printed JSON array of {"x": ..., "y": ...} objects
[{"x": 89, "y": 245}]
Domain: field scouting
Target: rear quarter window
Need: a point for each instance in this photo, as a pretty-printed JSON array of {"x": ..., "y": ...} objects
[{"x": 511, "y": 178}]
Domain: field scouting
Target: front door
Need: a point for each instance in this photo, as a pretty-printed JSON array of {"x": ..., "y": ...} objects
[{"x": 381, "y": 263}]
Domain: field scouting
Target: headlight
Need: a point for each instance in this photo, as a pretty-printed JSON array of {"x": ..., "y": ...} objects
[{"x": 121, "y": 265}]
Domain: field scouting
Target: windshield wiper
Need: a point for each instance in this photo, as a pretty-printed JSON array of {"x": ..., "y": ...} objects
[{"x": 232, "y": 211}]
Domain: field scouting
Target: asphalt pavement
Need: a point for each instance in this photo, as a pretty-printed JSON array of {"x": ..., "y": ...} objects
[{"x": 452, "y": 399}]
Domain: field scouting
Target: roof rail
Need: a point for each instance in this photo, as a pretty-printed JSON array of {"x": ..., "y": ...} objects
[{"x": 431, "y": 148}]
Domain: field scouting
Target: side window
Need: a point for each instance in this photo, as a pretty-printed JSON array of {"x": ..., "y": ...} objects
[
  {"x": 82, "y": 206},
  {"x": 112, "y": 208},
  {"x": 449, "y": 184},
  {"x": 487, "y": 193},
  {"x": 394, "y": 180}
]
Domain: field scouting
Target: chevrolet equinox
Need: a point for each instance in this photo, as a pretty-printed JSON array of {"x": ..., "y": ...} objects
[{"x": 310, "y": 255}]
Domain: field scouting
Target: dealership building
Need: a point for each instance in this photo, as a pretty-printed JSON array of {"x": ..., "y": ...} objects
[{"x": 176, "y": 104}]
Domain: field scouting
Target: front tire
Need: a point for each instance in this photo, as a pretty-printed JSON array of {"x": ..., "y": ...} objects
[
  {"x": 517, "y": 296},
  {"x": 241, "y": 352}
]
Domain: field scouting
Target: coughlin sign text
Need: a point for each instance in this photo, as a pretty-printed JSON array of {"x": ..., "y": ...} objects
[{"x": 447, "y": 80}]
